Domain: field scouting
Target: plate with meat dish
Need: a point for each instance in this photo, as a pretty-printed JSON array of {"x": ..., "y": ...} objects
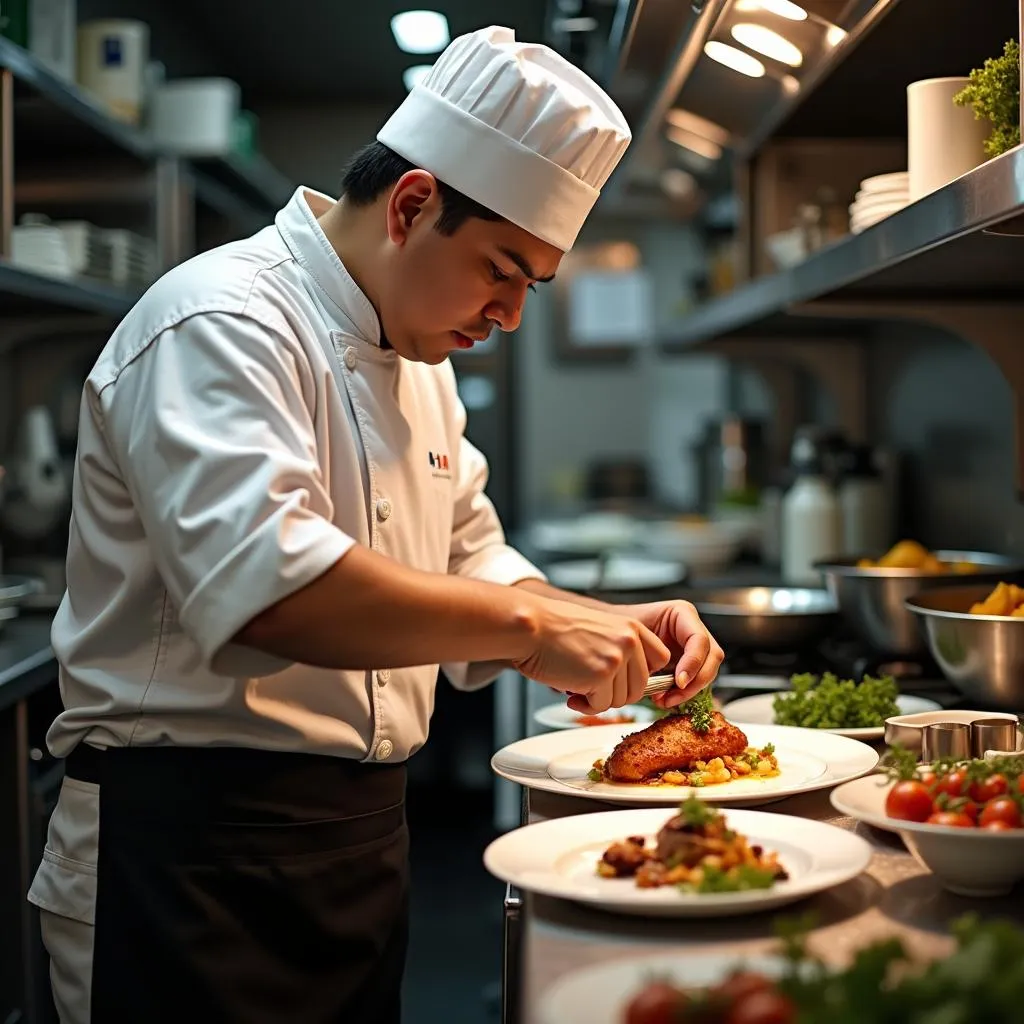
[
  {"x": 695, "y": 751},
  {"x": 696, "y": 862}
]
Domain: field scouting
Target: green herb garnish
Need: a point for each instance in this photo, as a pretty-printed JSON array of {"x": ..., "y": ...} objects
[
  {"x": 697, "y": 813},
  {"x": 700, "y": 709},
  {"x": 737, "y": 879},
  {"x": 830, "y": 703},
  {"x": 595, "y": 775}
]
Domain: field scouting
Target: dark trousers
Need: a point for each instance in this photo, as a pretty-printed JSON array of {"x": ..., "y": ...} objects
[{"x": 247, "y": 887}]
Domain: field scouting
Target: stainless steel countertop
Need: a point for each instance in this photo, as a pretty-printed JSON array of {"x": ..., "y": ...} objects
[{"x": 894, "y": 897}]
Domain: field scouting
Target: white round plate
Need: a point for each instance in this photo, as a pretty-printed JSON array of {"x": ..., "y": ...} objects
[
  {"x": 758, "y": 709},
  {"x": 589, "y": 534},
  {"x": 561, "y": 716},
  {"x": 559, "y": 858},
  {"x": 600, "y": 993},
  {"x": 558, "y": 762},
  {"x": 621, "y": 572},
  {"x": 894, "y": 180}
]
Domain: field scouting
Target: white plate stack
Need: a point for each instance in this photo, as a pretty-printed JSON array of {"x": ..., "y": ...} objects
[{"x": 879, "y": 197}]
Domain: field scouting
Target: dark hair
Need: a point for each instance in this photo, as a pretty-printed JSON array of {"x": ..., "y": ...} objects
[{"x": 376, "y": 168}]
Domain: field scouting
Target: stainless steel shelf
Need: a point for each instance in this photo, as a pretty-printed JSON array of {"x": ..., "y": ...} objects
[
  {"x": 253, "y": 180},
  {"x": 62, "y": 106},
  {"x": 938, "y": 247},
  {"x": 22, "y": 291}
]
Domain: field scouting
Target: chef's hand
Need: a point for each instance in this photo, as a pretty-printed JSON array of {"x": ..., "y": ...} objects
[
  {"x": 602, "y": 659},
  {"x": 693, "y": 650}
]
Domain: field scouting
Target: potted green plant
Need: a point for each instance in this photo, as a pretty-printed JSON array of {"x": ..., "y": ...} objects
[{"x": 994, "y": 94}]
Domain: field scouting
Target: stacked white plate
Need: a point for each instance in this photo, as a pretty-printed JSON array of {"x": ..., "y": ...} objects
[{"x": 879, "y": 197}]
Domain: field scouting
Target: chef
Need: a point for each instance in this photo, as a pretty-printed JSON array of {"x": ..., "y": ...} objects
[{"x": 279, "y": 531}]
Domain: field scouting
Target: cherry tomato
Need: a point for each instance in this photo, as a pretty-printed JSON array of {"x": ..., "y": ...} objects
[
  {"x": 740, "y": 985},
  {"x": 998, "y": 826},
  {"x": 928, "y": 779},
  {"x": 765, "y": 1007},
  {"x": 951, "y": 819},
  {"x": 968, "y": 807},
  {"x": 908, "y": 801},
  {"x": 1003, "y": 808},
  {"x": 984, "y": 790},
  {"x": 953, "y": 784},
  {"x": 658, "y": 1003}
]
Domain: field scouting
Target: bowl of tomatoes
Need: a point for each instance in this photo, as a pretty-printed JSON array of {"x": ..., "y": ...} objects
[{"x": 962, "y": 820}]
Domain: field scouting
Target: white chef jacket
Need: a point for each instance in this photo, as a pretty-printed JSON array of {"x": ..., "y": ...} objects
[{"x": 241, "y": 430}]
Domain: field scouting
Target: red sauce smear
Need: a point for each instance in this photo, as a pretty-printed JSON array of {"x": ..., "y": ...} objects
[{"x": 607, "y": 720}]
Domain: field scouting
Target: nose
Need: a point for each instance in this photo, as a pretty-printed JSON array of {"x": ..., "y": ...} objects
[{"x": 507, "y": 310}]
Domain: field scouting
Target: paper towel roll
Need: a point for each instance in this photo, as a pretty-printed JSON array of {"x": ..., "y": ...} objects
[{"x": 943, "y": 139}]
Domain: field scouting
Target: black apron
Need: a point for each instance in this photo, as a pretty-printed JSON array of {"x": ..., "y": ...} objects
[{"x": 240, "y": 886}]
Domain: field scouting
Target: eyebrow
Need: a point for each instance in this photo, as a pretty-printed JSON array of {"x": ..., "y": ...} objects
[{"x": 523, "y": 265}]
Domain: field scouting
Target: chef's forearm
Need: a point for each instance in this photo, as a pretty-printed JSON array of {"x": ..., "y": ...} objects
[
  {"x": 542, "y": 589},
  {"x": 368, "y": 611}
]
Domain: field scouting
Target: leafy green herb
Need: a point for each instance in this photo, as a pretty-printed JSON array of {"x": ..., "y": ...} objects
[
  {"x": 697, "y": 813},
  {"x": 831, "y": 703},
  {"x": 700, "y": 710},
  {"x": 994, "y": 94},
  {"x": 980, "y": 983},
  {"x": 595, "y": 775},
  {"x": 737, "y": 879},
  {"x": 767, "y": 750}
]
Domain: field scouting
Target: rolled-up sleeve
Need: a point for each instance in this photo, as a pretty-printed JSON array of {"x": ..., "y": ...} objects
[
  {"x": 213, "y": 434},
  {"x": 478, "y": 549}
]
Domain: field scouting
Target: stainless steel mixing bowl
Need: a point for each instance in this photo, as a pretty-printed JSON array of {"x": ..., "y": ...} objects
[
  {"x": 872, "y": 602},
  {"x": 766, "y": 618},
  {"x": 981, "y": 655}
]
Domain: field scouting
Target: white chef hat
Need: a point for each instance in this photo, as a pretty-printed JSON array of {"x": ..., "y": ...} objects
[{"x": 515, "y": 127}]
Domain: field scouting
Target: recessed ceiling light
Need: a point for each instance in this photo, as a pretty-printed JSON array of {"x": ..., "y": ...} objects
[
  {"x": 694, "y": 143},
  {"x": 420, "y": 31},
  {"x": 738, "y": 60},
  {"x": 680, "y": 118},
  {"x": 783, "y": 8},
  {"x": 411, "y": 77},
  {"x": 764, "y": 40}
]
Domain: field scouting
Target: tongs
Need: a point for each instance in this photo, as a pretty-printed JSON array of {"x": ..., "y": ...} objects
[{"x": 659, "y": 684}]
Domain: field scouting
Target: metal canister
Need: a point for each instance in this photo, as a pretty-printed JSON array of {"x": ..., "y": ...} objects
[
  {"x": 994, "y": 734},
  {"x": 941, "y": 740}
]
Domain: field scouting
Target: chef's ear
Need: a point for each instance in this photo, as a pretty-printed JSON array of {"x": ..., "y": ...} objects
[{"x": 412, "y": 200}]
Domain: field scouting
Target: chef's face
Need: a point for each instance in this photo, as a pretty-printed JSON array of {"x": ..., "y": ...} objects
[{"x": 443, "y": 293}]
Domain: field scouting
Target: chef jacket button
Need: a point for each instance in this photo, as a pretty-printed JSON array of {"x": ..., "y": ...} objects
[
  {"x": 383, "y": 509},
  {"x": 351, "y": 358},
  {"x": 384, "y": 750},
  {"x": 384, "y": 676}
]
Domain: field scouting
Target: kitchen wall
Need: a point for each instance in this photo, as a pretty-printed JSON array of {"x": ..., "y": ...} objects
[{"x": 945, "y": 405}]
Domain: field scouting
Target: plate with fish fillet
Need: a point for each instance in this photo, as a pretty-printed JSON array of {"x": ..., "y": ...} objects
[{"x": 694, "y": 752}]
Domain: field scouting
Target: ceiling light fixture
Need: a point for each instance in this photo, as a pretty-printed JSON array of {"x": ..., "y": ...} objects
[
  {"x": 834, "y": 35},
  {"x": 783, "y": 8},
  {"x": 411, "y": 77},
  {"x": 420, "y": 31},
  {"x": 738, "y": 60},
  {"x": 694, "y": 143},
  {"x": 683, "y": 119},
  {"x": 767, "y": 42}
]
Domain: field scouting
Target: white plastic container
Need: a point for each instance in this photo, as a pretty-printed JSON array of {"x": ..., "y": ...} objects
[
  {"x": 195, "y": 116},
  {"x": 112, "y": 58},
  {"x": 943, "y": 140},
  {"x": 811, "y": 527},
  {"x": 864, "y": 506}
]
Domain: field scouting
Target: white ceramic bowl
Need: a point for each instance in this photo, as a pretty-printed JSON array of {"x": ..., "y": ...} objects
[
  {"x": 966, "y": 861},
  {"x": 702, "y": 547}
]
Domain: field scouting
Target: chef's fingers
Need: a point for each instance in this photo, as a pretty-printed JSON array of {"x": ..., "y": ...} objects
[
  {"x": 580, "y": 704},
  {"x": 656, "y": 653},
  {"x": 686, "y": 687},
  {"x": 630, "y": 682}
]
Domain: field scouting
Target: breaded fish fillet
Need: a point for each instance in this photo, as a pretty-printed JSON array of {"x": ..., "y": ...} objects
[{"x": 672, "y": 743}]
